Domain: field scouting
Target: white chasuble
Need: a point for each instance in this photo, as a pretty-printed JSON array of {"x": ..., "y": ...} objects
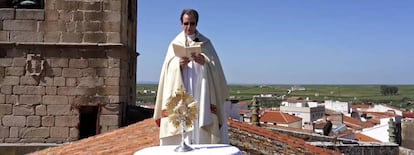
[{"x": 206, "y": 83}]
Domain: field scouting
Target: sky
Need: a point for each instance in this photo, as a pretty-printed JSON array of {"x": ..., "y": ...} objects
[{"x": 289, "y": 42}]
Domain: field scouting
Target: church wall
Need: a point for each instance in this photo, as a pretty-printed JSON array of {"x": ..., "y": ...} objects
[{"x": 53, "y": 61}]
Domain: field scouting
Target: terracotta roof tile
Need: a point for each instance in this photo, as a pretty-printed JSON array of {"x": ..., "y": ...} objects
[
  {"x": 278, "y": 117},
  {"x": 408, "y": 114},
  {"x": 362, "y": 106},
  {"x": 284, "y": 138},
  {"x": 125, "y": 140},
  {"x": 355, "y": 123},
  {"x": 365, "y": 138}
]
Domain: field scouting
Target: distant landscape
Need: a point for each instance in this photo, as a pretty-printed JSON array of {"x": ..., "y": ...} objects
[{"x": 356, "y": 94}]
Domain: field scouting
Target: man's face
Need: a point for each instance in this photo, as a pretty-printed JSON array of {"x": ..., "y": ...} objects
[{"x": 189, "y": 24}]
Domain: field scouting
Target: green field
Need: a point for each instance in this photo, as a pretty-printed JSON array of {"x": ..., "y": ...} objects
[{"x": 357, "y": 94}]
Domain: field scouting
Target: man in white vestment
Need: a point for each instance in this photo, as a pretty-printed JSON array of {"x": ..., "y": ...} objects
[{"x": 203, "y": 78}]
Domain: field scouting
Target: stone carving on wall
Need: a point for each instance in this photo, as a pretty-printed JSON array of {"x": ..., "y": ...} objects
[{"x": 34, "y": 64}]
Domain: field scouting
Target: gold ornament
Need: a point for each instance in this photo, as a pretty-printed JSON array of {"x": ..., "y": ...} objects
[{"x": 182, "y": 107}]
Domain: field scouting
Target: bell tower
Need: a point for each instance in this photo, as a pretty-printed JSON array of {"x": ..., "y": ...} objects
[{"x": 67, "y": 68}]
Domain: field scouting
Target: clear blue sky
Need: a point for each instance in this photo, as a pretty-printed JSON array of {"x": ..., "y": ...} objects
[{"x": 289, "y": 42}]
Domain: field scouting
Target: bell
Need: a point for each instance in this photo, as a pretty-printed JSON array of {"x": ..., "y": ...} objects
[{"x": 28, "y": 4}]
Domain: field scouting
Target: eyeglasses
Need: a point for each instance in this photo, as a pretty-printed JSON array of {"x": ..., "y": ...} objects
[{"x": 190, "y": 23}]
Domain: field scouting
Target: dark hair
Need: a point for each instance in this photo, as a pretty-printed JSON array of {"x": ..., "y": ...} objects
[{"x": 190, "y": 12}]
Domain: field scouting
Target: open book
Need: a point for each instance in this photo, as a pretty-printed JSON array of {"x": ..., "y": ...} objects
[{"x": 181, "y": 51}]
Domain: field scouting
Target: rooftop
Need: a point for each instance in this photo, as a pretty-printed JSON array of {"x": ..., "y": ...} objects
[
  {"x": 124, "y": 141},
  {"x": 278, "y": 117}
]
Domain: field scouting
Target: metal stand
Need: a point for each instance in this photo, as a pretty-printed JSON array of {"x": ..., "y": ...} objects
[{"x": 183, "y": 147}]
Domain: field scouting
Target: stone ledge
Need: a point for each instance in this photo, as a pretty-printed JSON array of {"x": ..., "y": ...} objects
[
  {"x": 60, "y": 44},
  {"x": 12, "y": 13}
]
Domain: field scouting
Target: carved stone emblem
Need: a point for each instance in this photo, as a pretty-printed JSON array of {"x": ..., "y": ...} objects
[{"x": 34, "y": 64}]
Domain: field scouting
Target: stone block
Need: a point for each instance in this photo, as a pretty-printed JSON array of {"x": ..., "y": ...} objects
[
  {"x": 6, "y": 62},
  {"x": 50, "y": 5},
  {"x": 78, "y": 16},
  {"x": 15, "y": 71},
  {"x": 30, "y": 99},
  {"x": 59, "y": 81},
  {"x": 97, "y": 37},
  {"x": 19, "y": 25},
  {"x": 52, "y": 26},
  {"x": 88, "y": 72},
  {"x": 46, "y": 81},
  {"x": 112, "y": 16},
  {"x": 112, "y": 81},
  {"x": 58, "y": 62},
  {"x": 19, "y": 62},
  {"x": 71, "y": 37},
  {"x": 4, "y": 36},
  {"x": 66, "y": 121},
  {"x": 107, "y": 120},
  {"x": 94, "y": 16},
  {"x": 90, "y": 6},
  {"x": 4, "y": 132},
  {"x": 71, "y": 82},
  {"x": 73, "y": 133},
  {"x": 29, "y": 81},
  {"x": 10, "y": 81},
  {"x": 65, "y": 15},
  {"x": 33, "y": 121},
  {"x": 11, "y": 140},
  {"x": 78, "y": 63},
  {"x": 14, "y": 132},
  {"x": 59, "y": 132},
  {"x": 23, "y": 110},
  {"x": 2, "y": 100},
  {"x": 59, "y": 110},
  {"x": 51, "y": 90},
  {"x": 108, "y": 90},
  {"x": 76, "y": 91},
  {"x": 98, "y": 62},
  {"x": 14, "y": 121},
  {"x": 29, "y": 90},
  {"x": 6, "y": 13},
  {"x": 5, "y": 109},
  {"x": 30, "y": 14},
  {"x": 71, "y": 72},
  {"x": 48, "y": 121},
  {"x": 53, "y": 72},
  {"x": 88, "y": 26},
  {"x": 71, "y": 26},
  {"x": 11, "y": 99},
  {"x": 113, "y": 37},
  {"x": 40, "y": 110},
  {"x": 21, "y": 36},
  {"x": 113, "y": 5},
  {"x": 6, "y": 89},
  {"x": 67, "y": 5},
  {"x": 51, "y": 15},
  {"x": 32, "y": 132},
  {"x": 91, "y": 82},
  {"x": 109, "y": 72},
  {"x": 55, "y": 99},
  {"x": 111, "y": 26},
  {"x": 110, "y": 109},
  {"x": 52, "y": 37}
]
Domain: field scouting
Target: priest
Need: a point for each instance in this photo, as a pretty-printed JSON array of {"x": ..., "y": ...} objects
[{"x": 202, "y": 76}]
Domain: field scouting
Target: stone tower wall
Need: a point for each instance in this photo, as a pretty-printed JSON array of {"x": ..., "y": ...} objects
[
  {"x": 407, "y": 132},
  {"x": 54, "y": 60}
]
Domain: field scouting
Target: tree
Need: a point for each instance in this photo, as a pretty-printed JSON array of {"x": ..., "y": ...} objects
[{"x": 388, "y": 90}]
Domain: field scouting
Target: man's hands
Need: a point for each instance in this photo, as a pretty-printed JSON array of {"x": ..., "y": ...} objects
[{"x": 197, "y": 58}]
